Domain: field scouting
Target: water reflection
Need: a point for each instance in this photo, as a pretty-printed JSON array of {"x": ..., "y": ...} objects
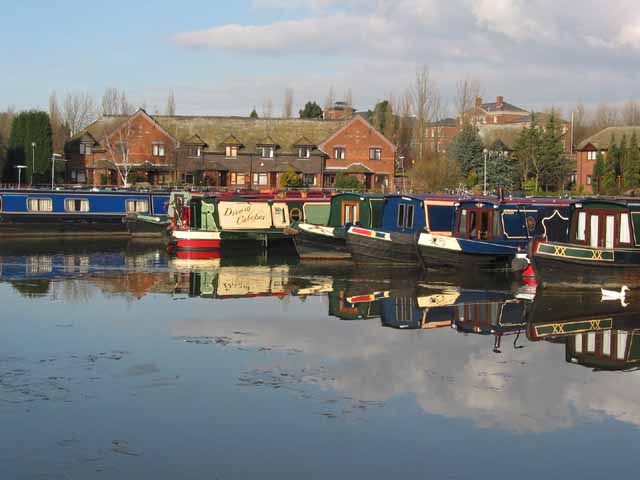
[{"x": 490, "y": 349}]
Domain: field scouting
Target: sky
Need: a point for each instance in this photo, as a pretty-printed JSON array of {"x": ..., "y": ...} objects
[{"x": 226, "y": 57}]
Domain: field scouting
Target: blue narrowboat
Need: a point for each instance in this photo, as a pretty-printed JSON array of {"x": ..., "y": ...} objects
[
  {"x": 492, "y": 234},
  {"x": 403, "y": 217},
  {"x": 601, "y": 248},
  {"x": 74, "y": 212}
]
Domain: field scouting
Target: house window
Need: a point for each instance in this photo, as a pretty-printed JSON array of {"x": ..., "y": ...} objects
[
  {"x": 266, "y": 152},
  {"x": 195, "y": 152},
  {"x": 40, "y": 205},
  {"x": 304, "y": 152},
  {"x": 231, "y": 151},
  {"x": 375, "y": 154},
  {"x": 238, "y": 178},
  {"x": 158, "y": 150},
  {"x": 76, "y": 205},
  {"x": 588, "y": 179},
  {"x": 137, "y": 206},
  {"x": 86, "y": 149},
  {"x": 309, "y": 179},
  {"x": 339, "y": 153},
  {"x": 82, "y": 149},
  {"x": 260, "y": 179},
  {"x": 495, "y": 119},
  {"x": 592, "y": 155},
  {"x": 78, "y": 176}
]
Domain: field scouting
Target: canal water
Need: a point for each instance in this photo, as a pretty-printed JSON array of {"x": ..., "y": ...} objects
[{"x": 117, "y": 361}]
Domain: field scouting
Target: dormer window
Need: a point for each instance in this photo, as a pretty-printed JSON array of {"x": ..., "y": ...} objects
[
  {"x": 85, "y": 149},
  {"x": 266, "y": 152},
  {"x": 195, "y": 152},
  {"x": 304, "y": 152},
  {"x": 231, "y": 151},
  {"x": 158, "y": 150},
  {"x": 592, "y": 155}
]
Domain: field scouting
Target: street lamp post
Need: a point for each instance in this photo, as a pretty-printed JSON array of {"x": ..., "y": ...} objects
[
  {"x": 54, "y": 157},
  {"x": 20, "y": 168},
  {"x": 33, "y": 162},
  {"x": 484, "y": 190}
]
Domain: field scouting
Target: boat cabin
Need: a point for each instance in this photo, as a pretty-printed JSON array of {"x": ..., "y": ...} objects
[
  {"x": 605, "y": 224},
  {"x": 356, "y": 209},
  {"x": 413, "y": 213}
]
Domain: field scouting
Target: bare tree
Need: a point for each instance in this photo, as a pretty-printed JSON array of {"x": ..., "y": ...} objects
[
  {"x": 426, "y": 107},
  {"x": 348, "y": 98},
  {"x": 467, "y": 91},
  {"x": 267, "y": 109},
  {"x": 171, "y": 104},
  {"x": 117, "y": 145},
  {"x": 606, "y": 116},
  {"x": 287, "y": 108},
  {"x": 78, "y": 111},
  {"x": 631, "y": 113},
  {"x": 114, "y": 102},
  {"x": 60, "y": 133},
  {"x": 329, "y": 100}
]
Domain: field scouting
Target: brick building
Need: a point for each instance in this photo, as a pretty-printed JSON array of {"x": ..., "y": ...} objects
[
  {"x": 587, "y": 151},
  {"x": 234, "y": 152}
]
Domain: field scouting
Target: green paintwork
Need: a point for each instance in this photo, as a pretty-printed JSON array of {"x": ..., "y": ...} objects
[
  {"x": 316, "y": 214},
  {"x": 572, "y": 328},
  {"x": 370, "y": 209},
  {"x": 583, "y": 253}
]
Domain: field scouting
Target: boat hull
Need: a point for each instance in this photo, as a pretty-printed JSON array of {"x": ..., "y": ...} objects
[
  {"x": 448, "y": 253},
  {"x": 73, "y": 225},
  {"x": 144, "y": 226},
  {"x": 571, "y": 265},
  {"x": 314, "y": 242},
  {"x": 376, "y": 247}
]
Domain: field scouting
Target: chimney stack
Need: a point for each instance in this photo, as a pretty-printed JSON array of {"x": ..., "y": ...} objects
[
  {"x": 478, "y": 102},
  {"x": 499, "y": 102}
]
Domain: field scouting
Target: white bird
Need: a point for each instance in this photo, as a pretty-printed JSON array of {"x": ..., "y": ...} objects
[{"x": 613, "y": 295}]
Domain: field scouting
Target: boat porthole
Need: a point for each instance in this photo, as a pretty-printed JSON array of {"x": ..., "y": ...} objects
[{"x": 295, "y": 214}]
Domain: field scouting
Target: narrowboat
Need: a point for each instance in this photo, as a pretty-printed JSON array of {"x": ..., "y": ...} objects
[
  {"x": 490, "y": 234},
  {"x": 74, "y": 212},
  {"x": 233, "y": 222},
  {"x": 403, "y": 217},
  {"x": 603, "y": 335},
  {"x": 327, "y": 240},
  {"x": 602, "y": 247}
]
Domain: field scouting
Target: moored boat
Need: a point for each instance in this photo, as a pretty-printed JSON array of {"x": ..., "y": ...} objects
[
  {"x": 403, "y": 216},
  {"x": 601, "y": 248},
  {"x": 38, "y": 213},
  {"x": 327, "y": 241},
  {"x": 489, "y": 234}
]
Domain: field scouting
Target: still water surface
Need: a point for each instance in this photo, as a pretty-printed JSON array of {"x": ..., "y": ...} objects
[{"x": 117, "y": 361}]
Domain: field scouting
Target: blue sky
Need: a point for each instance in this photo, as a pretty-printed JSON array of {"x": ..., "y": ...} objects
[{"x": 226, "y": 57}]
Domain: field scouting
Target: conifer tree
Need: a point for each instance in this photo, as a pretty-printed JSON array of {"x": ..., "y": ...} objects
[
  {"x": 253, "y": 113},
  {"x": 632, "y": 173},
  {"x": 467, "y": 149},
  {"x": 599, "y": 171},
  {"x": 27, "y": 128},
  {"x": 552, "y": 166}
]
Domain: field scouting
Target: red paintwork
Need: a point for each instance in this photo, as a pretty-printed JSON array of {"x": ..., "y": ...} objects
[
  {"x": 188, "y": 244},
  {"x": 198, "y": 255}
]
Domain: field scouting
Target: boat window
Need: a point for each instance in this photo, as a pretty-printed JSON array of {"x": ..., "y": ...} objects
[
  {"x": 472, "y": 224},
  {"x": 621, "y": 344},
  {"x": 606, "y": 343},
  {"x": 40, "y": 205},
  {"x": 409, "y": 218},
  {"x": 582, "y": 226},
  {"x": 578, "y": 339},
  {"x": 625, "y": 233},
  {"x": 609, "y": 232},
  {"x": 137, "y": 206},
  {"x": 593, "y": 231},
  {"x": 401, "y": 215},
  {"x": 635, "y": 218},
  {"x": 484, "y": 225},
  {"x": 350, "y": 213},
  {"x": 463, "y": 221},
  {"x": 591, "y": 342},
  {"x": 495, "y": 231},
  {"x": 295, "y": 214},
  {"x": 76, "y": 205}
]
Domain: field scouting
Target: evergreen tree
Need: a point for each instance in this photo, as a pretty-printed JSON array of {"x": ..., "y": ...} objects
[
  {"x": 599, "y": 170},
  {"x": 290, "y": 179},
  {"x": 467, "y": 149},
  {"x": 527, "y": 153},
  {"x": 347, "y": 182},
  {"x": 609, "y": 180},
  {"x": 500, "y": 168},
  {"x": 632, "y": 173},
  {"x": 311, "y": 110},
  {"x": 29, "y": 127},
  {"x": 382, "y": 118},
  {"x": 253, "y": 113},
  {"x": 552, "y": 165}
]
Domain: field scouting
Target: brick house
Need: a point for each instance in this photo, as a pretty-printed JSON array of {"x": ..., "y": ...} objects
[
  {"x": 587, "y": 151},
  {"x": 234, "y": 152},
  {"x": 358, "y": 149},
  {"x": 493, "y": 120}
]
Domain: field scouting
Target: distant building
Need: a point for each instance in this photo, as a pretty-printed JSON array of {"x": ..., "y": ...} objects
[
  {"x": 230, "y": 152},
  {"x": 587, "y": 151}
]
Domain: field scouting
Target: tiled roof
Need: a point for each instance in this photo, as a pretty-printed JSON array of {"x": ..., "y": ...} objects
[
  {"x": 445, "y": 122},
  {"x": 601, "y": 139},
  {"x": 506, "y": 107}
]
